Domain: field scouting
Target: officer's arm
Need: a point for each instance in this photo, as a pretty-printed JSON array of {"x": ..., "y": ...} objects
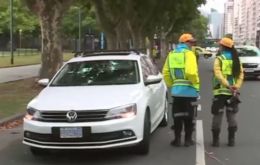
[
  {"x": 191, "y": 67},
  {"x": 218, "y": 73},
  {"x": 240, "y": 78},
  {"x": 166, "y": 73}
]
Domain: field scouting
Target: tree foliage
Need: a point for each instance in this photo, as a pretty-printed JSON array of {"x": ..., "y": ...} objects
[
  {"x": 71, "y": 25},
  {"x": 23, "y": 19},
  {"x": 135, "y": 19}
]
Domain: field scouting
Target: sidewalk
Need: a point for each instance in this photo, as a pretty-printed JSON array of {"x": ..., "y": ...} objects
[{"x": 18, "y": 73}]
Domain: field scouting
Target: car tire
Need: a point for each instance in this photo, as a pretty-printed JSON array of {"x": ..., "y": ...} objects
[
  {"x": 164, "y": 121},
  {"x": 38, "y": 151},
  {"x": 143, "y": 147}
]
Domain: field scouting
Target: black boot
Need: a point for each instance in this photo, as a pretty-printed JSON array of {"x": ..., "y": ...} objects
[
  {"x": 189, "y": 125},
  {"x": 177, "y": 141},
  {"x": 215, "y": 134},
  {"x": 177, "y": 132},
  {"x": 231, "y": 136},
  {"x": 188, "y": 140}
]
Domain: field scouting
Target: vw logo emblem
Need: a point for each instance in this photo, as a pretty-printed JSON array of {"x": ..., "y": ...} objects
[{"x": 71, "y": 116}]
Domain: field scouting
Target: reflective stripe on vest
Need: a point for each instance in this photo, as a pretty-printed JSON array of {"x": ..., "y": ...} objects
[
  {"x": 222, "y": 91},
  {"x": 182, "y": 82},
  {"x": 181, "y": 114},
  {"x": 226, "y": 69}
]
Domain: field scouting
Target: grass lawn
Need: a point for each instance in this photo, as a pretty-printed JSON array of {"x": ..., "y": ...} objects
[
  {"x": 26, "y": 60},
  {"x": 14, "y": 96}
]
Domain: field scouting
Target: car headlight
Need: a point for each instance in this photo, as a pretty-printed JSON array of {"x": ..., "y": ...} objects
[
  {"x": 32, "y": 114},
  {"x": 126, "y": 111}
]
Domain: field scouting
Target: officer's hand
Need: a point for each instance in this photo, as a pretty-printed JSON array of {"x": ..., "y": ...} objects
[{"x": 233, "y": 89}]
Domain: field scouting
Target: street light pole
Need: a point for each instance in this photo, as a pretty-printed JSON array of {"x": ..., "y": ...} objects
[
  {"x": 79, "y": 46},
  {"x": 20, "y": 41},
  {"x": 20, "y": 38},
  {"x": 11, "y": 31}
]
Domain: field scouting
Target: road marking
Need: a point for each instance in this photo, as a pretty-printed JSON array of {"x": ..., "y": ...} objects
[
  {"x": 200, "y": 152},
  {"x": 199, "y": 107}
]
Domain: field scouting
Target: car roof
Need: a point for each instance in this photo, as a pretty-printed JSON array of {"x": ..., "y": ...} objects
[
  {"x": 246, "y": 46},
  {"x": 107, "y": 55}
]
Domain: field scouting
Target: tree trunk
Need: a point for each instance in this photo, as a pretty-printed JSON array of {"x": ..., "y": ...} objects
[
  {"x": 50, "y": 13},
  {"x": 111, "y": 41},
  {"x": 138, "y": 40},
  {"x": 163, "y": 45},
  {"x": 121, "y": 34},
  {"x": 52, "y": 58}
]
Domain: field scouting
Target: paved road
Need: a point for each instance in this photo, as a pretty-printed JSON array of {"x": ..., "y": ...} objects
[
  {"x": 13, "y": 152},
  {"x": 17, "y": 73}
]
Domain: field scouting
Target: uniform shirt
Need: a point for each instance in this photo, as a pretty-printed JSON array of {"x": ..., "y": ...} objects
[
  {"x": 222, "y": 79},
  {"x": 191, "y": 67}
]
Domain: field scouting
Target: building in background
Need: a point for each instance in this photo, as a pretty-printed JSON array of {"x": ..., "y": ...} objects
[
  {"x": 246, "y": 21},
  {"x": 258, "y": 24},
  {"x": 216, "y": 26},
  {"x": 229, "y": 17},
  {"x": 237, "y": 21}
]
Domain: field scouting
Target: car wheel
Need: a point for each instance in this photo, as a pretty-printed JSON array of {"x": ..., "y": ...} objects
[
  {"x": 38, "y": 151},
  {"x": 164, "y": 121},
  {"x": 143, "y": 147}
]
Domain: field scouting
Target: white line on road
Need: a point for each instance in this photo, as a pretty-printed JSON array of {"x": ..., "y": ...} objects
[
  {"x": 200, "y": 153},
  {"x": 199, "y": 107}
]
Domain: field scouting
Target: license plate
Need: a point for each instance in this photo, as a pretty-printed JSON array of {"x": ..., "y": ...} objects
[
  {"x": 71, "y": 132},
  {"x": 248, "y": 70}
]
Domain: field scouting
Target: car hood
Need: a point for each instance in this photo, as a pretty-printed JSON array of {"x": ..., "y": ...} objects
[
  {"x": 250, "y": 59},
  {"x": 86, "y": 98}
]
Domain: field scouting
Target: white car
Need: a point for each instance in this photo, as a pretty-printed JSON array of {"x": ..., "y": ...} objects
[
  {"x": 250, "y": 59},
  {"x": 98, "y": 100}
]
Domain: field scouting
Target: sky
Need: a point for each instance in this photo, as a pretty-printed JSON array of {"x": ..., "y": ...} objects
[{"x": 216, "y": 4}]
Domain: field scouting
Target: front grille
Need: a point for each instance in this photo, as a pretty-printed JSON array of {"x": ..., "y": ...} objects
[
  {"x": 249, "y": 65},
  {"x": 88, "y": 138},
  {"x": 82, "y": 116}
]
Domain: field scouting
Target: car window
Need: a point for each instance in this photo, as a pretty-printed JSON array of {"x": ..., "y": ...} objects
[
  {"x": 145, "y": 68},
  {"x": 101, "y": 72},
  {"x": 150, "y": 64},
  {"x": 248, "y": 52}
]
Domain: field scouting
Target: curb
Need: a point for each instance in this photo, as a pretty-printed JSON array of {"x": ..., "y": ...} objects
[{"x": 11, "y": 118}]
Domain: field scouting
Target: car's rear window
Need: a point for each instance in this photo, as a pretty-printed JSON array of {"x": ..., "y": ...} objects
[
  {"x": 248, "y": 52},
  {"x": 100, "y": 72}
]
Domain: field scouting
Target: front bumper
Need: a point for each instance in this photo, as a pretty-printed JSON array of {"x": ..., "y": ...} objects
[
  {"x": 96, "y": 135},
  {"x": 252, "y": 72}
]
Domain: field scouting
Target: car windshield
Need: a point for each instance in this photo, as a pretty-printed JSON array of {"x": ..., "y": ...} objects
[
  {"x": 248, "y": 52},
  {"x": 100, "y": 72}
]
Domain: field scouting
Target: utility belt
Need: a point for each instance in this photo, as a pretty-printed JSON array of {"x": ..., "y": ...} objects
[
  {"x": 224, "y": 101},
  {"x": 190, "y": 112}
]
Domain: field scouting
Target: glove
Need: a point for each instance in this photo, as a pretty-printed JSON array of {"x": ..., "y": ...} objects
[{"x": 233, "y": 89}]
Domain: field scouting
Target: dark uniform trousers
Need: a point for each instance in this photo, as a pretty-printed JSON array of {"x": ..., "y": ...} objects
[
  {"x": 183, "y": 114},
  {"x": 219, "y": 106}
]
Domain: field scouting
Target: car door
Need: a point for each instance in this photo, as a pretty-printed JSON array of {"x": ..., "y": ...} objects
[{"x": 156, "y": 91}]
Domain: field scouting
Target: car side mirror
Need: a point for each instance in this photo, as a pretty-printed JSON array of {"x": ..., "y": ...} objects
[
  {"x": 44, "y": 82},
  {"x": 153, "y": 79}
]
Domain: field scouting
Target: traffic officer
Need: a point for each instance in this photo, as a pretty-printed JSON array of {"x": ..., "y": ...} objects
[
  {"x": 180, "y": 72},
  {"x": 228, "y": 78}
]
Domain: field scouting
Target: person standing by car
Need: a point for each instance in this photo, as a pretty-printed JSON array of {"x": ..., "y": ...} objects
[
  {"x": 228, "y": 78},
  {"x": 180, "y": 72}
]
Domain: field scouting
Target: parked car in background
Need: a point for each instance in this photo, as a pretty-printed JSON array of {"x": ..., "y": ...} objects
[
  {"x": 199, "y": 51},
  {"x": 212, "y": 49},
  {"x": 98, "y": 100},
  {"x": 250, "y": 59}
]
